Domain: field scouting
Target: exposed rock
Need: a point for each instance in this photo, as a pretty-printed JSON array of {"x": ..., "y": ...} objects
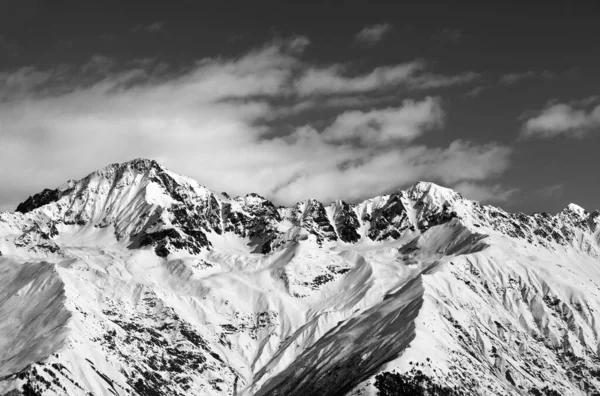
[
  {"x": 346, "y": 222},
  {"x": 45, "y": 197}
]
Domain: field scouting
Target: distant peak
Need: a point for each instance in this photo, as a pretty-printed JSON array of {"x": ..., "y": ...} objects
[
  {"x": 252, "y": 199},
  {"x": 423, "y": 185},
  {"x": 144, "y": 164},
  {"x": 576, "y": 209},
  {"x": 422, "y": 188},
  {"x": 138, "y": 165},
  {"x": 255, "y": 195}
]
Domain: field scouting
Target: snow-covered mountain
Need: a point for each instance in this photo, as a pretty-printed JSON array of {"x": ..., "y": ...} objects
[{"x": 138, "y": 281}]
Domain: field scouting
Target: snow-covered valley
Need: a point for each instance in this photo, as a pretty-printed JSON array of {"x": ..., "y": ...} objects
[{"x": 138, "y": 281}]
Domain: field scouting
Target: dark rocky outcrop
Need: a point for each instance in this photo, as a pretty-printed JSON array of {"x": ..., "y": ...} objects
[
  {"x": 434, "y": 219},
  {"x": 168, "y": 239},
  {"x": 414, "y": 383},
  {"x": 257, "y": 220},
  {"x": 45, "y": 197},
  {"x": 390, "y": 220},
  {"x": 314, "y": 219},
  {"x": 346, "y": 223}
]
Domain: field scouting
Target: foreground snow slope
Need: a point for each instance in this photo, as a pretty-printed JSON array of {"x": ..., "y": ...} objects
[{"x": 135, "y": 280}]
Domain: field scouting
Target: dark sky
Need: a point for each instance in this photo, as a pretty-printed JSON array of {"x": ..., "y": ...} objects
[{"x": 513, "y": 84}]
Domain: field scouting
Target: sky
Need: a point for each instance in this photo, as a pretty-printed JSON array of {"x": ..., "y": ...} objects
[{"x": 328, "y": 100}]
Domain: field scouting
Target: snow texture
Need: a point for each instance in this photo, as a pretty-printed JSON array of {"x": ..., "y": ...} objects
[{"x": 135, "y": 280}]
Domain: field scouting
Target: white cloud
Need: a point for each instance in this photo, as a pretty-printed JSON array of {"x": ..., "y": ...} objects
[
  {"x": 588, "y": 101},
  {"x": 296, "y": 44},
  {"x": 405, "y": 123},
  {"x": 23, "y": 79},
  {"x": 98, "y": 64},
  {"x": 463, "y": 160},
  {"x": 335, "y": 80},
  {"x": 373, "y": 34},
  {"x": 206, "y": 122},
  {"x": 562, "y": 119},
  {"x": 356, "y": 174}
]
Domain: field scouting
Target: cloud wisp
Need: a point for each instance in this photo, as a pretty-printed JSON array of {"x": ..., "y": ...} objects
[
  {"x": 562, "y": 119},
  {"x": 373, "y": 34},
  {"x": 215, "y": 121},
  {"x": 337, "y": 79},
  {"x": 514, "y": 78},
  {"x": 382, "y": 126}
]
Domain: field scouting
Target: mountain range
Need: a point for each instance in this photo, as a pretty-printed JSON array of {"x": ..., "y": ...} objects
[{"x": 138, "y": 281}]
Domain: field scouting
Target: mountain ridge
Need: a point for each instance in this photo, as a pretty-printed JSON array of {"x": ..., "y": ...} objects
[
  {"x": 162, "y": 286},
  {"x": 48, "y": 195}
]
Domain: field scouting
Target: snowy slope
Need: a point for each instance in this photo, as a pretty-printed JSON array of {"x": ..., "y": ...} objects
[{"x": 136, "y": 280}]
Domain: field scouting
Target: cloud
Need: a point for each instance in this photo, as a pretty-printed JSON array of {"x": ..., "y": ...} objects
[
  {"x": 463, "y": 160},
  {"x": 336, "y": 79},
  {"x": 295, "y": 44},
  {"x": 371, "y": 35},
  {"x": 354, "y": 101},
  {"x": 382, "y": 126},
  {"x": 361, "y": 173},
  {"x": 562, "y": 119},
  {"x": 24, "y": 80},
  {"x": 213, "y": 120},
  {"x": 507, "y": 79},
  {"x": 98, "y": 64},
  {"x": 472, "y": 93},
  {"x": 29, "y": 81},
  {"x": 588, "y": 101},
  {"x": 513, "y": 78},
  {"x": 155, "y": 27}
]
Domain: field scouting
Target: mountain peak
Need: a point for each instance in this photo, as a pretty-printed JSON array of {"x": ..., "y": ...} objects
[
  {"x": 576, "y": 209},
  {"x": 432, "y": 193},
  {"x": 138, "y": 165},
  {"x": 143, "y": 164}
]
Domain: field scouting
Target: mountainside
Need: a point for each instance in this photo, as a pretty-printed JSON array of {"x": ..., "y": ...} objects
[{"x": 138, "y": 281}]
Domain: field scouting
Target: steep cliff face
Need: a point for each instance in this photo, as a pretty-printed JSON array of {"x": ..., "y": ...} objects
[{"x": 136, "y": 280}]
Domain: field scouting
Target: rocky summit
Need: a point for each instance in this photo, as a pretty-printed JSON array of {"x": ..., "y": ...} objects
[{"x": 139, "y": 281}]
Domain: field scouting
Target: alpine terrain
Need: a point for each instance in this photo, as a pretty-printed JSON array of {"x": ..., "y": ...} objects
[{"x": 139, "y": 281}]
